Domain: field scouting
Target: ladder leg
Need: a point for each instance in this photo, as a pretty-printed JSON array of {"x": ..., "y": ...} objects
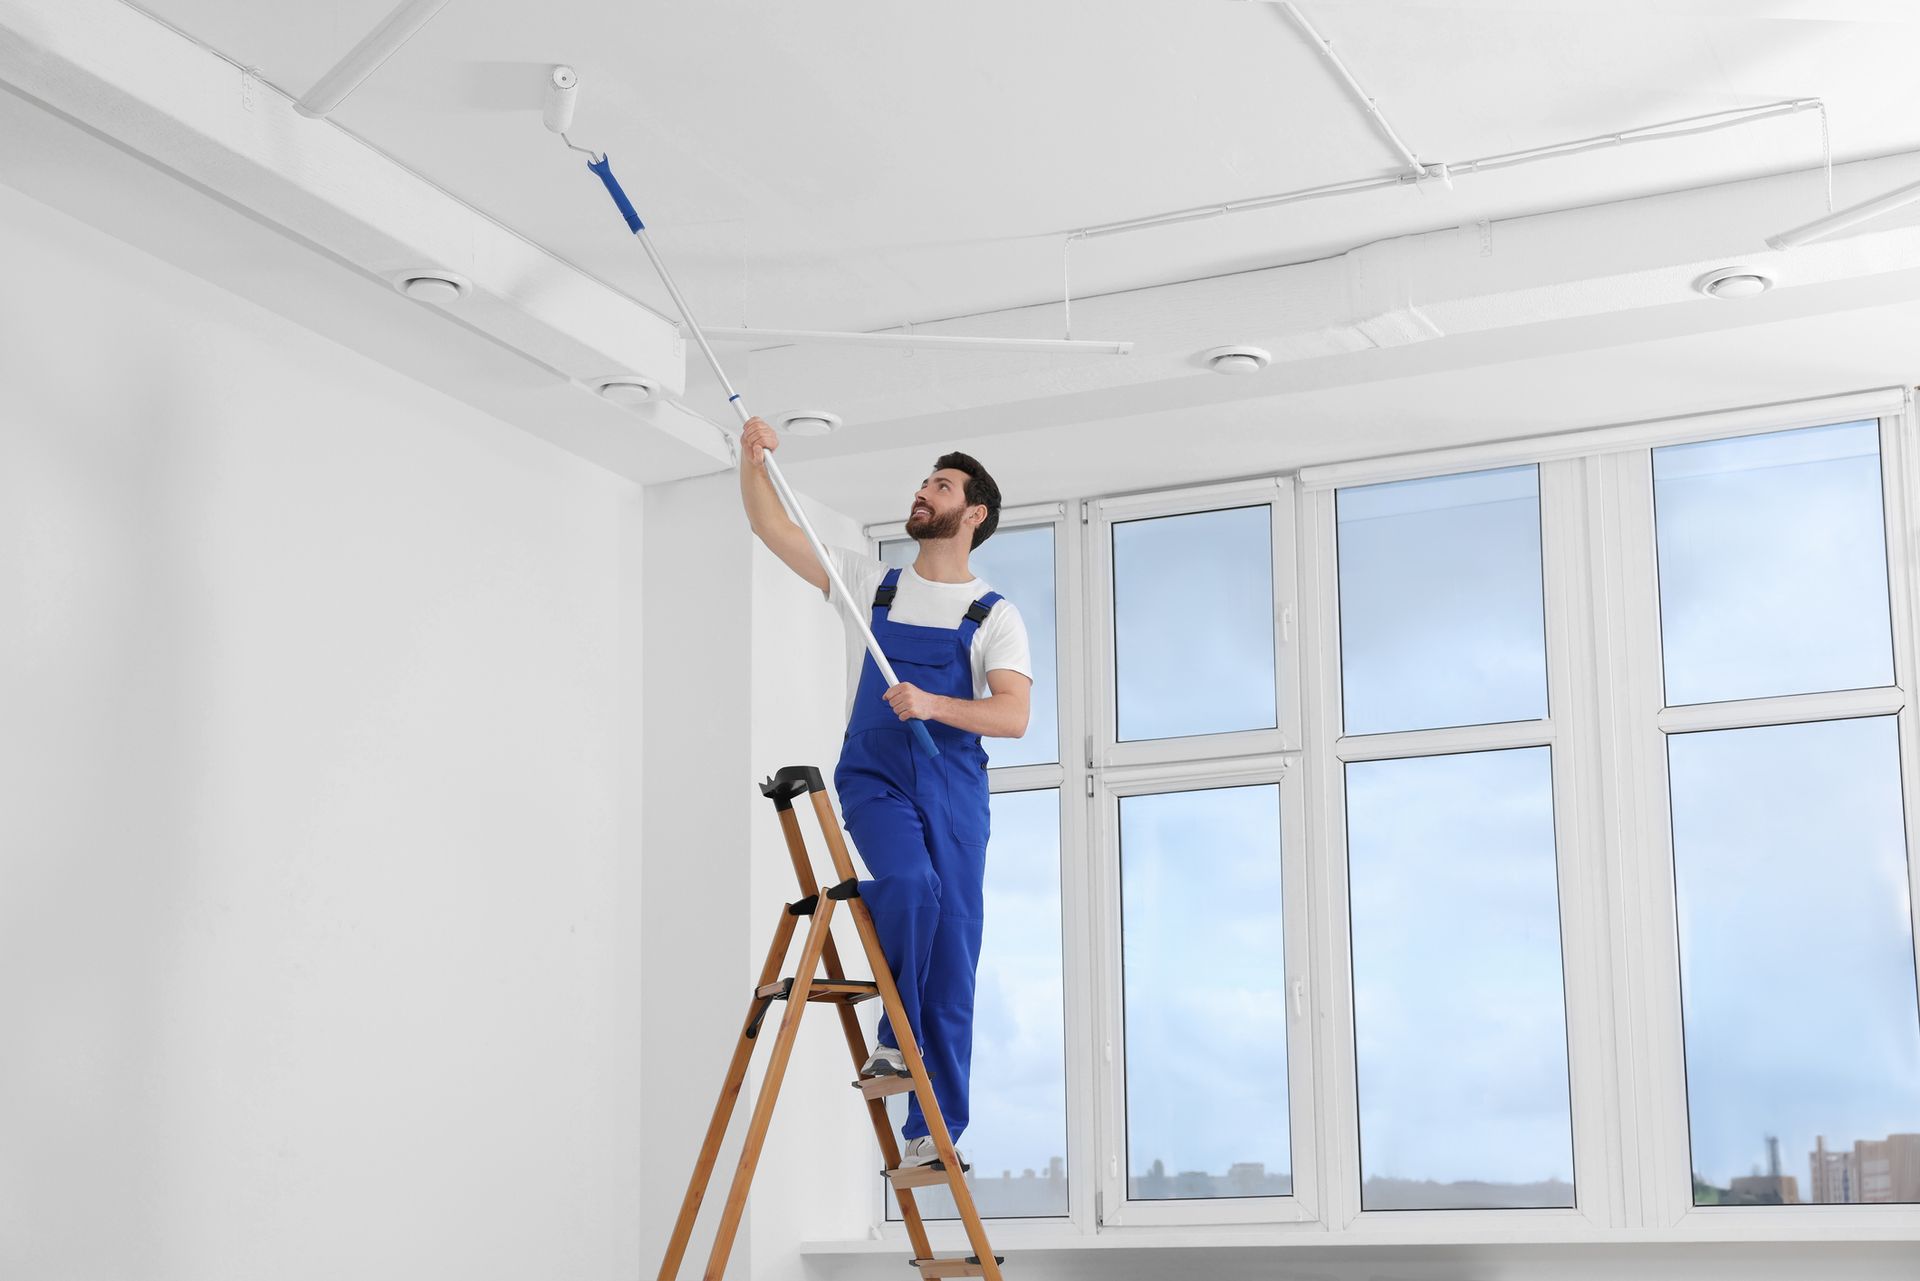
[
  {"x": 856, "y": 1040},
  {"x": 723, "y": 1108},
  {"x": 770, "y": 1088}
]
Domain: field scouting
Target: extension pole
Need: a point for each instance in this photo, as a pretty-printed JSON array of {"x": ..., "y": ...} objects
[{"x": 603, "y": 168}]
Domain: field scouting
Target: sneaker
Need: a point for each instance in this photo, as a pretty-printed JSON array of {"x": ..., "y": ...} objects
[
  {"x": 921, "y": 1151},
  {"x": 885, "y": 1061}
]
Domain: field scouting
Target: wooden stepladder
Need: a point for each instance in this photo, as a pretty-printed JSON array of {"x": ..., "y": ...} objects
[{"x": 836, "y": 989}]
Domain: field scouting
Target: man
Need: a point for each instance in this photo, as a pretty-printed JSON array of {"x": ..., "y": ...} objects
[{"x": 920, "y": 823}]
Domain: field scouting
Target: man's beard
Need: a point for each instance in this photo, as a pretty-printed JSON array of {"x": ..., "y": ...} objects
[{"x": 931, "y": 528}]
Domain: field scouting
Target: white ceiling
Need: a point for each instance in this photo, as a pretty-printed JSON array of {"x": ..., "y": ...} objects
[{"x": 861, "y": 163}]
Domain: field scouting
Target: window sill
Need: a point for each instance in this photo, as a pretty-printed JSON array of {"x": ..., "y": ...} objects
[{"x": 1416, "y": 1230}]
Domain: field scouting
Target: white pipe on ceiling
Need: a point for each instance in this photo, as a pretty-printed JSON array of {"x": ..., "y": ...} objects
[
  {"x": 1845, "y": 218},
  {"x": 1681, "y": 128},
  {"x": 365, "y": 58},
  {"x": 1360, "y": 95},
  {"x": 931, "y": 342}
]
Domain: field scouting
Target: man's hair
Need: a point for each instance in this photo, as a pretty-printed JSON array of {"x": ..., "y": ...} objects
[{"x": 981, "y": 491}]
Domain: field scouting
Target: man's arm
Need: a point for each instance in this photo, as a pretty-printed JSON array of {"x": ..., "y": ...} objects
[
  {"x": 766, "y": 515},
  {"x": 1004, "y": 715}
]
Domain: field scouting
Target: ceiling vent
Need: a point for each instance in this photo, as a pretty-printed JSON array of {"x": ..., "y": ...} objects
[
  {"x": 442, "y": 287},
  {"x": 1735, "y": 282},
  {"x": 809, "y": 422},
  {"x": 626, "y": 391},
  {"x": 1236, "y": 360}
]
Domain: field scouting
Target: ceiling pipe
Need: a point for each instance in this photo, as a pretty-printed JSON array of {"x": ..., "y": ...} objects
[
  {"x": 365, "y": 58},
  {"x": 1840, "y": 221},
  {"x": 1360, "y": 95},
  {"x": 929, "y": 342},
  {"x": 1684, "y": 127}
]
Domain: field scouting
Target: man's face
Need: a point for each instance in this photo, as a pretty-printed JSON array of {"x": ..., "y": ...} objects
[{"x": 939, "y": 506}]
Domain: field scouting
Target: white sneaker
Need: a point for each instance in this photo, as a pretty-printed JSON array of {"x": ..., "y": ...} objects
[
  {"x": 886, "y": 1060},
  {"x": 921, "y": 1151}
]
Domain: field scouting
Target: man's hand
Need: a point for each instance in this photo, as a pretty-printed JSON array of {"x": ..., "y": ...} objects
[
  {"x": 911, "y": 703},
  {"x": 755, "y": 439}
]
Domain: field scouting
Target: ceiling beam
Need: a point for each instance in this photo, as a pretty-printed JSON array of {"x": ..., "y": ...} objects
[{"x": 157, "y": 95}]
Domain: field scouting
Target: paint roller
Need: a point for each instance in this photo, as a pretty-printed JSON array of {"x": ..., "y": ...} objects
[{"x": 563, "y": 87}]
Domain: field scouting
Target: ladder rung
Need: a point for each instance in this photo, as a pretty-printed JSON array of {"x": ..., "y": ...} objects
[
  {"x": 953, "y": 1266},
  {"x": 848, "y": 991},
  {"x": 917, "y": 1176},
  {"x": 881, "y": 1087}
]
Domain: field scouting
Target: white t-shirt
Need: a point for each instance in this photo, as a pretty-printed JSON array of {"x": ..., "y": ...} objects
[{"x": 999, "y": 645}]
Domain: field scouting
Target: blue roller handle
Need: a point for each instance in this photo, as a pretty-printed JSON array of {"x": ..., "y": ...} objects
[{"x": 603, "y": 169}]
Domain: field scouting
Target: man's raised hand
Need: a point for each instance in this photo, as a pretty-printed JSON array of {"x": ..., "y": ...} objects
[{"x": 756, "y": 438}]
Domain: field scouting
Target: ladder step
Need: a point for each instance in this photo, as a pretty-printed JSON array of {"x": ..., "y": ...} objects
[
  {"x": 843, "y": 991},
  {"x": 917, "y": 1176},
  {"x": 881, "y": 1087},
  {"x": 953, "y": 1266}
]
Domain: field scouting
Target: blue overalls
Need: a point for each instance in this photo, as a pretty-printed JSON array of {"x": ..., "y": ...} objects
[{"x": 920, "y": 824}]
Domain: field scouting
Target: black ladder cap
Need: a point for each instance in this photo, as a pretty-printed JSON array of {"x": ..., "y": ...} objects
[{"x": 791, "y": 782}]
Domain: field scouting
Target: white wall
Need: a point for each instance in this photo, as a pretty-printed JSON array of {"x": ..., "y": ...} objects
[
  {"x": 318, "y": 930},
  {"x": 745, "y": 675}
]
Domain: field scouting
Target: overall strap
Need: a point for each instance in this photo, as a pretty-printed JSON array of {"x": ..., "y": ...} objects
[
  {"x": 883, "y": 595},
  {"x": 976, "y": 615}
]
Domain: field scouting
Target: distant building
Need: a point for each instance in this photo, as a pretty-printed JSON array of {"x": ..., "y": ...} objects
[
  {"x": 1876, "y": 1171},
  {"x": 1763, "y": 1189},
  {"x": 1833, "y": 1178},
  {"x": 1771, "y": 1188},
  {"x": 1242, "y": 1179}
]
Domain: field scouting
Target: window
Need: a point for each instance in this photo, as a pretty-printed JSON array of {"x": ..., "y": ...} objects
[
  {"x": 1204, "y": 978},
  {"x": 1017, "y": 1142},
  {"x": 1459, "y": 1020},
  {"x": 1459, "y": 1006},
  {"x": 1794, "y": 921},
  {"x": 1205, "y": 1066},
  {"x": 1019, "y": 1136},
  {"x": 1441, "y": 615},
  {"x": 1773, "y": 566},
  {"x": 1554, "y": 879},
  {"x": 1193, "y": 623},
  {"x": 1796, "y": 948}
]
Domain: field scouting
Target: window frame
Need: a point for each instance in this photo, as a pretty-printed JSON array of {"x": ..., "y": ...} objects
[
  {"x": 1581, "y": 904},
  {"x": 1116, "y": 769},
  {"x": 1605, "y": 727},
  {"x": 1105, "y": 750},
  {"x": 1649, "y": 860},
  {"x": 947, "y": 1235}
]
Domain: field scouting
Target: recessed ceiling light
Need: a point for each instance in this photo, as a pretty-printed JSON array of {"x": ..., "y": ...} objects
[
  {"x": 809, "y": 422},
  {"x": 626, "y": 391},
  {"x": 1735, "y": 282},
  {"x": 442, "y": 287},
  {"x": 1236, "y": 360}
]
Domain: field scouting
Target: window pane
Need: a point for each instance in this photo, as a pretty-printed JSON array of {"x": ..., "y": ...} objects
[
  {"x": 1773, "y": 567},
  {"x": 1204, "y": 969},
  {"x": 1193, "y": 624},
  {"x": 1796, "y": 947},
  {"x": 1459, "y": 1004},
  {"x": 1441, "y": 616},
  {"x": 1017, "y": 563},
  {"x": 1017, "y": 1138}
]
